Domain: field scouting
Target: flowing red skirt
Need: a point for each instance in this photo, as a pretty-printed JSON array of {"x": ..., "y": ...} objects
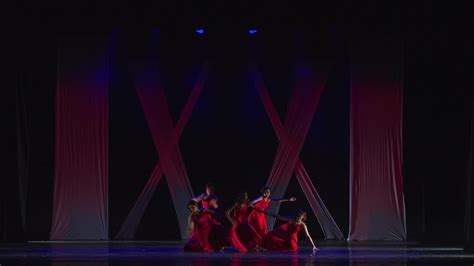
[
  {"x": 242, "y": 235},
  {"x": 259, "y": 223},
  {"x": 283, "y": 238},
  {"x": 202, "y": 238}
]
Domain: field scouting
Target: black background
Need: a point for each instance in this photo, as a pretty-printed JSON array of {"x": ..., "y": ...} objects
[{"x": 229, "y": 139}]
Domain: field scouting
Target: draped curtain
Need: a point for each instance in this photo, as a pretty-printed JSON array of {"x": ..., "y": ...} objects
[
  {"x": 23, "y": 151},
  {"x": 306, "y": 92},
  {"x": 165, "y": 136},
  {"x": 80, "y": 206},
  {"x": 327, "y": 223},
  {"x": 377, "y": 206}
]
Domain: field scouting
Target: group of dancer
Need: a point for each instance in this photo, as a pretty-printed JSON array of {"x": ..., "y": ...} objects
[{"x": 248, "y": 227}]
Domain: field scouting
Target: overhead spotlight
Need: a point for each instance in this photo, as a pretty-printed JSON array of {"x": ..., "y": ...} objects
[
  {"x": 252, "y": 31},
  {"x": 200, "y": 31}
]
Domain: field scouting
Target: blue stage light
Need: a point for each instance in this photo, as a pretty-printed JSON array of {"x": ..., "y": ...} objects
[
  {"x": 252, "y": 31},
  {"x": 200, "y": 31}
]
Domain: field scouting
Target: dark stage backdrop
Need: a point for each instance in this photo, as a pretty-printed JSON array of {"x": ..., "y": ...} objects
[
  {"x": 36, "y": 81},
  {"x": 229, "y": 139},
  {"x": 437, "y": 98}
]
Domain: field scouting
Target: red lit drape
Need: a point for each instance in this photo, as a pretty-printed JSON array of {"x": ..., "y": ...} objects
[
  {"x": 309, "y": 85},
  {"x": 377, "y": 208},
  {"x": 166, "y": 137},
  {"x": 80, "y": 206},
  {"x": 327, "y": 223}
]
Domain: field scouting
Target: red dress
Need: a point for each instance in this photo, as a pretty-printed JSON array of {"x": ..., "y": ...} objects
[
  {"x": 205, "y": 201},
  {"x": 258, "y": 221},
  {"x": 242, "y": 235},
  {"x": 204, "y": 225},
  {"x": 283, "y": 238}
]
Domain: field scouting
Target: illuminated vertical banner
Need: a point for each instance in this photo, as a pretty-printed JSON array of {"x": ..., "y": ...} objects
[
  {"x": 377, "y": 207},
  {"x": 80, "y": 207}
]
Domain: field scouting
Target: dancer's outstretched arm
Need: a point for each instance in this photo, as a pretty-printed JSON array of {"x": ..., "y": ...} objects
[
  {"x": 279, "y": 217},
  {"x": 199, "y": 197},
  {"x": 309, "y": 237},
  {"x": 227, "y": 213},
  {"x": 284, "y": 200},
  {"x": 209, "y": 211}
]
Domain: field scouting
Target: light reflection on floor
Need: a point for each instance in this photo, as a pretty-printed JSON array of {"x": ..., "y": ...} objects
[{"x": 158, "y": 253}]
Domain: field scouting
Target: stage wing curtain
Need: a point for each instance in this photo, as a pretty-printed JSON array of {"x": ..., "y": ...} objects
[
  {"x": 80, "y": 207},
  {"x": 377, "y": 207},
  {"x": 309, "y": 84},
  {"x": 23, "y": 151},
  {"x": 327, "y": 223}
]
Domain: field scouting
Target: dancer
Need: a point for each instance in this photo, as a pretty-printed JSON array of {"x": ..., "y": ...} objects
[
  {"x": 218, "y": 236},
  {"x": 241, "y": 235},
  {"x": 201, "y": 223},
  {"x": 257, "y": 219},
  {"x": 285, "y": 237},
  {"x": 204, "y": 198}
]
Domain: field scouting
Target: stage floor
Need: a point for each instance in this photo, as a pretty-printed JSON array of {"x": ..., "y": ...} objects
[{"x": 170, "y": 253}]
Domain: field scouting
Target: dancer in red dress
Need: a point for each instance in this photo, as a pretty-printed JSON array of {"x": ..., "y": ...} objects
[
  {"x": 285, "y": 237},
  {"x": 241, "y": 235},
  {"x": 204, "y": 198},
  {"x": 201, "y": 223},
  {"x": 257, "y": 218}
]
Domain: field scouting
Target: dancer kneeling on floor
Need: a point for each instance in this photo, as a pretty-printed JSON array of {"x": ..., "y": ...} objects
[
  {"x": 285, "y": 237},
  {"x": 257, "y": 219}
]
